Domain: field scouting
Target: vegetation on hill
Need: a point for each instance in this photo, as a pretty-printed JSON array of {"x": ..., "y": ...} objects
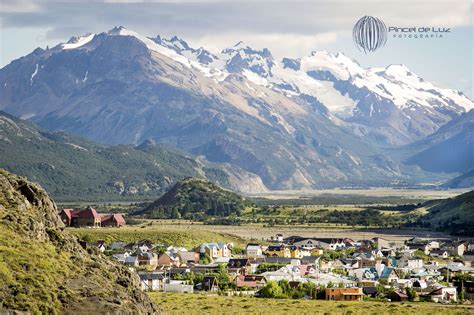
[
  {"x": 454, "y": 215},
  {"x": 195, "y": 199},
  {"x": 72, "y": 168},
  {"x": 44, "y": 270}
]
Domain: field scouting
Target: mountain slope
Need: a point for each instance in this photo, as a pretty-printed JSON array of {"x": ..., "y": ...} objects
[
  {"x": 43, "y": 269},
  {"x": 454, "y": 214},
  {"x": 239, "y": 106},
  {"x": 193, "y": 197},
  {"x": 464, "y": 180},
  {"x": 71, "y": 167},
  {"x": 450, "y": 149}
]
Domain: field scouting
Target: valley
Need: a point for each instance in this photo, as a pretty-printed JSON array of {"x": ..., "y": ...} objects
[{"x": 140, "y": 174}]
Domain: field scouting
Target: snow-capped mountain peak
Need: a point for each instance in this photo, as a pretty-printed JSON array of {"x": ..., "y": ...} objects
[
  {"x": 76, "y": 42},
  {"x": 335, "y": 80}
]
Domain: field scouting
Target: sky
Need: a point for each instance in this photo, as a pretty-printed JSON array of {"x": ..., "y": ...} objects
[{"x": 287, "y": 28}]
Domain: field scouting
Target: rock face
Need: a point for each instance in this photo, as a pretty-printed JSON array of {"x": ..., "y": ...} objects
[{"x": 43, "y": 269}]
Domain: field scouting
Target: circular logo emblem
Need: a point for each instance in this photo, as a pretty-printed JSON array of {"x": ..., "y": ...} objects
[{"x": 369, "y": 34}]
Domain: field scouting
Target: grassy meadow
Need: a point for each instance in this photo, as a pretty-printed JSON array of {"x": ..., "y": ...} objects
[{"x": 181, "y": 303}]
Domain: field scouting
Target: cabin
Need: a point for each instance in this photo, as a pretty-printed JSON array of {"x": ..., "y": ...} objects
[
  {"x": 344, "y": 294},
  {"x": 397, "y": 296}
]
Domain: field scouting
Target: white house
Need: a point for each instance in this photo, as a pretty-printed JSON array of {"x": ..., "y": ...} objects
[
  {"x": 151, "y": 281},
  {"x": 439, "y": 253},
  {"x": 178, "y": 286},
  {"x": 444, "y": 294},
  {"x": 254, "y": 251},
  {"x": 411, "y": 263}
]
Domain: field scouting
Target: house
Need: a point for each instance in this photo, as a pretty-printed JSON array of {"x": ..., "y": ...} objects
[
  {"x": 178, "y": 286},
  {"x": 250, "y": 281},
  {"x": 89, "y": 217},
  {"x": 363, "y": 274},
  {"x": 188, "y": 257},
  {"x": 120, "y": 257},
  {"x": 100, "y": 245},
  {"x": 210, "y": 283},
  {"x": 277, "y": 238},
  {"x": 296, "y": 252},
  {"x": 80, "y": 217},
  {"x": 239, "y": 266},
  {"x": 254, "y": 250},
  {"x": 309, "y": 243},
  {"x": 420, "y": 285},
  {"x": 306, "y": 269},
  {"x": 118, "y": 245},
  {"x": 344, "y": 294},
  {"x": 410, "y": 263},
  {"x": 370, "y": 291},
  {"x": 381, "y": 243},
  {"x": 468, "y": 258},
  {"x": 425, "y": 248},
  {"x": 314, "y": 260},
  {"x": 345, "y": 264},
  {"x": 216, "y": 250},
  {"x": 415, "y": 240},
  {"x": 112, "y": 220},
  {"x": 433, "y": 245},
  {"x": 169, "y": 259},
  {"x": 148, "y": 259},
  {"x": 331, "y": 244},
  {"x": 280, "y": 250},
  {"x": 317, "y": 251},
  {"x": 151, "y": 281},
  {"x": 388, "y": 274},
  {"x": 132, "y": 261},
  {"x": 443, "y": 294},
  {"x": 439, "y": 253},
  {"x": 397, "y": 296},
  {"x": 456, "y": 248}
]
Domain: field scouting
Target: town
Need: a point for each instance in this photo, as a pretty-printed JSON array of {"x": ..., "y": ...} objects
[{"x": 286, "y": 266}]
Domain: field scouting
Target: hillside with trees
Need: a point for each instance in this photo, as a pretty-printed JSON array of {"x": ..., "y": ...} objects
[
  {"x": 194, "y": 198},
  {"x": 454, "y": 215},
  {"x": 73, "y": 168}
]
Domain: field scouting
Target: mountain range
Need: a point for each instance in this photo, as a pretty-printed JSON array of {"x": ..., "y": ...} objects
[
  {"x": 71, "y": 167},
  {"x": 318, "y": 121}
]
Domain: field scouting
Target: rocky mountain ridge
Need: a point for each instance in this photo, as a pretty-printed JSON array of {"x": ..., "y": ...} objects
[{"x": 45, "y": 270}]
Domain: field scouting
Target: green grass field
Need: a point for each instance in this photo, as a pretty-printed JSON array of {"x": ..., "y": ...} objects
[{"x": 181, "y": 303}]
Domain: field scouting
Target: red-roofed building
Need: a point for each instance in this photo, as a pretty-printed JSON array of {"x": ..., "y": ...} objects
[
  {"x": 115, "y": 220},
  {"x": 90, "y": 217}
]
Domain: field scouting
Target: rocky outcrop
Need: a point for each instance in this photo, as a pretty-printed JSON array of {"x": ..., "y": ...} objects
[{"x": 45, "y": 270}]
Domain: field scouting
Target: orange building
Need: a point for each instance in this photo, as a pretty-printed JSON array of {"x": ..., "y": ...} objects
[{"x": 344, "y": 294}]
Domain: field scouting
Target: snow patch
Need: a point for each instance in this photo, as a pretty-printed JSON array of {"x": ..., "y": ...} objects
[
  {"x": 81, "y": 41},
  {"x": 85, "y": 76},
  {"x": 34, "y": 74}
]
